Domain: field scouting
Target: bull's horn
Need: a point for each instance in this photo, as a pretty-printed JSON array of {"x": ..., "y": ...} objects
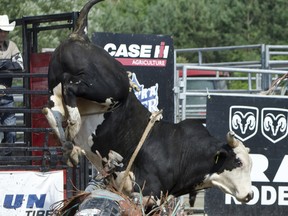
[{"x": 232, "y": 142}]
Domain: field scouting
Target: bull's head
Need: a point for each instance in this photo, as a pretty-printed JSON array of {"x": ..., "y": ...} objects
[{"x": 232, "y": 169}]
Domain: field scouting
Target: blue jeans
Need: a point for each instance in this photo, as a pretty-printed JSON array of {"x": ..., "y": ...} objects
[{"x": 7, "y": 119}]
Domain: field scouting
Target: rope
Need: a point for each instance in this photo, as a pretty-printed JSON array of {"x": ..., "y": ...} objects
[{"x": 153, "y": 118}]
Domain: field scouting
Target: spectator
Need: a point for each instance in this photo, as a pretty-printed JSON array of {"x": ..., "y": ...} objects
[{"x": 10, "y": 59}]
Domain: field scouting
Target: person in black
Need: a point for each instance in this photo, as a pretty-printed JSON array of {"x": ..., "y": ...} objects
[{"x": 10, "y": 59}]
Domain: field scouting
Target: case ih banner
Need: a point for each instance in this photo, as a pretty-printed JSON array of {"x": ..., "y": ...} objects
[
  {"x": 29, "y": 193},
  {"x": 151, "y": 58},
  {"x": 262, "y": 124}
]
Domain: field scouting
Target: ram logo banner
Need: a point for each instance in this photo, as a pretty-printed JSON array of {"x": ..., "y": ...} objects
[
  {"x": 274, "y": 124},
  {"x": 147, "y": 96},
  {"x": 29, "y": 193},
  {"x": 260, "y": 122},
  {"x": 244, "y": 121}
]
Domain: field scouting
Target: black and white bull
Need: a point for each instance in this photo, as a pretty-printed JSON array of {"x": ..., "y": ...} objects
[
  {"x": 175, "y": 158},
  {"x": 86, "y": 85}
]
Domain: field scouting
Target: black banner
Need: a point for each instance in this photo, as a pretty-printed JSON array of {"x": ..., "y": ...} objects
[
  {"x": 151, "y": 58},
  {"x": 261, "y": 123}
]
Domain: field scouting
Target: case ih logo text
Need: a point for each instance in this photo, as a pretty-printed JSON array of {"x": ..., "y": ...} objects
[{"x": 139, "y": 55}]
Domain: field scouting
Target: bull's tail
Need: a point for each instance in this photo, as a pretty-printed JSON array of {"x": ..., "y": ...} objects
[{"x": 82, "y": 19}]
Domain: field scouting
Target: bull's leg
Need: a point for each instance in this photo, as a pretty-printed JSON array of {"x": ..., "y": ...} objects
[
  {"x": 58, "y": 111},
  {"x": 74, "y": 122},
  {"x": 192, "y": 198},
  {"x": 73, "y": 115},
  {"x": 71, "y": 152},
  {"x": 55, "y": 116},
  {"x": 55, "y": 113}
]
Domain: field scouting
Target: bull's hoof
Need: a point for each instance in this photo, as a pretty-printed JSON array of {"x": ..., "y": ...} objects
[
  {"x": 45, "y": 110},
  {"x": 71, "y": 154}
]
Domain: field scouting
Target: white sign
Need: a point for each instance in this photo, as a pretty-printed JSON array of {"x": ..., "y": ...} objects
[
  {"x": 30, "y": 193},
  {"x": 147, "y": 96}
]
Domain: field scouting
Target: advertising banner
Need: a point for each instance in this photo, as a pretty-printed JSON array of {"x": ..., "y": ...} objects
[
  {"x": 30, "y": 193},
  {"x": 261, "y": 123},
  {"x": 151, "y": 58}
]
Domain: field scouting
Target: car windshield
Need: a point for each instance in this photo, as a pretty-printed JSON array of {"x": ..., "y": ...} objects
[{"x": 198, "y": 85}]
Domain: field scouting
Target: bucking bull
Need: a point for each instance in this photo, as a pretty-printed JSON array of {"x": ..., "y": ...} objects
[{"x": 91, "y": 93}]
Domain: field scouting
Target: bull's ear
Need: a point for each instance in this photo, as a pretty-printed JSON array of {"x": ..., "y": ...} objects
[
  {"x": 220, "y": 155},
  {"x": 248, "y": 149}
]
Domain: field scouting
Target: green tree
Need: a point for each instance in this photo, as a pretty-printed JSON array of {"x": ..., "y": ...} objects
[
  {"x": 16, "y": 9},
  {"x": 192, "y": 23},
  {"x": 187, "y": 21}
]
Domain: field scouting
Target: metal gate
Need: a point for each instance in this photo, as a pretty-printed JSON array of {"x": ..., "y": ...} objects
[
  {"x": 36, "y": 148},
  {"x": 257, "y": 74}
]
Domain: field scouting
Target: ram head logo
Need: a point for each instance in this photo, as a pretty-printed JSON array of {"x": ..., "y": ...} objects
[
  {"x": 244, "y": 121},
  {"x": 274, "y": 124}
]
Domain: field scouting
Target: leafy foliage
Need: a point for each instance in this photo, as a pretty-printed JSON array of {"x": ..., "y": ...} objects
[{"x": 201, "y": 23}]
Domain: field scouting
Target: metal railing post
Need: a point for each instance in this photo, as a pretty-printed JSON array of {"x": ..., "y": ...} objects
[{"x": 183, "y": 94}]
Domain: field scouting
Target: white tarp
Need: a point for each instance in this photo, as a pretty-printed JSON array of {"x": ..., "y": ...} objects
[{"x": 30, "y": 193}]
